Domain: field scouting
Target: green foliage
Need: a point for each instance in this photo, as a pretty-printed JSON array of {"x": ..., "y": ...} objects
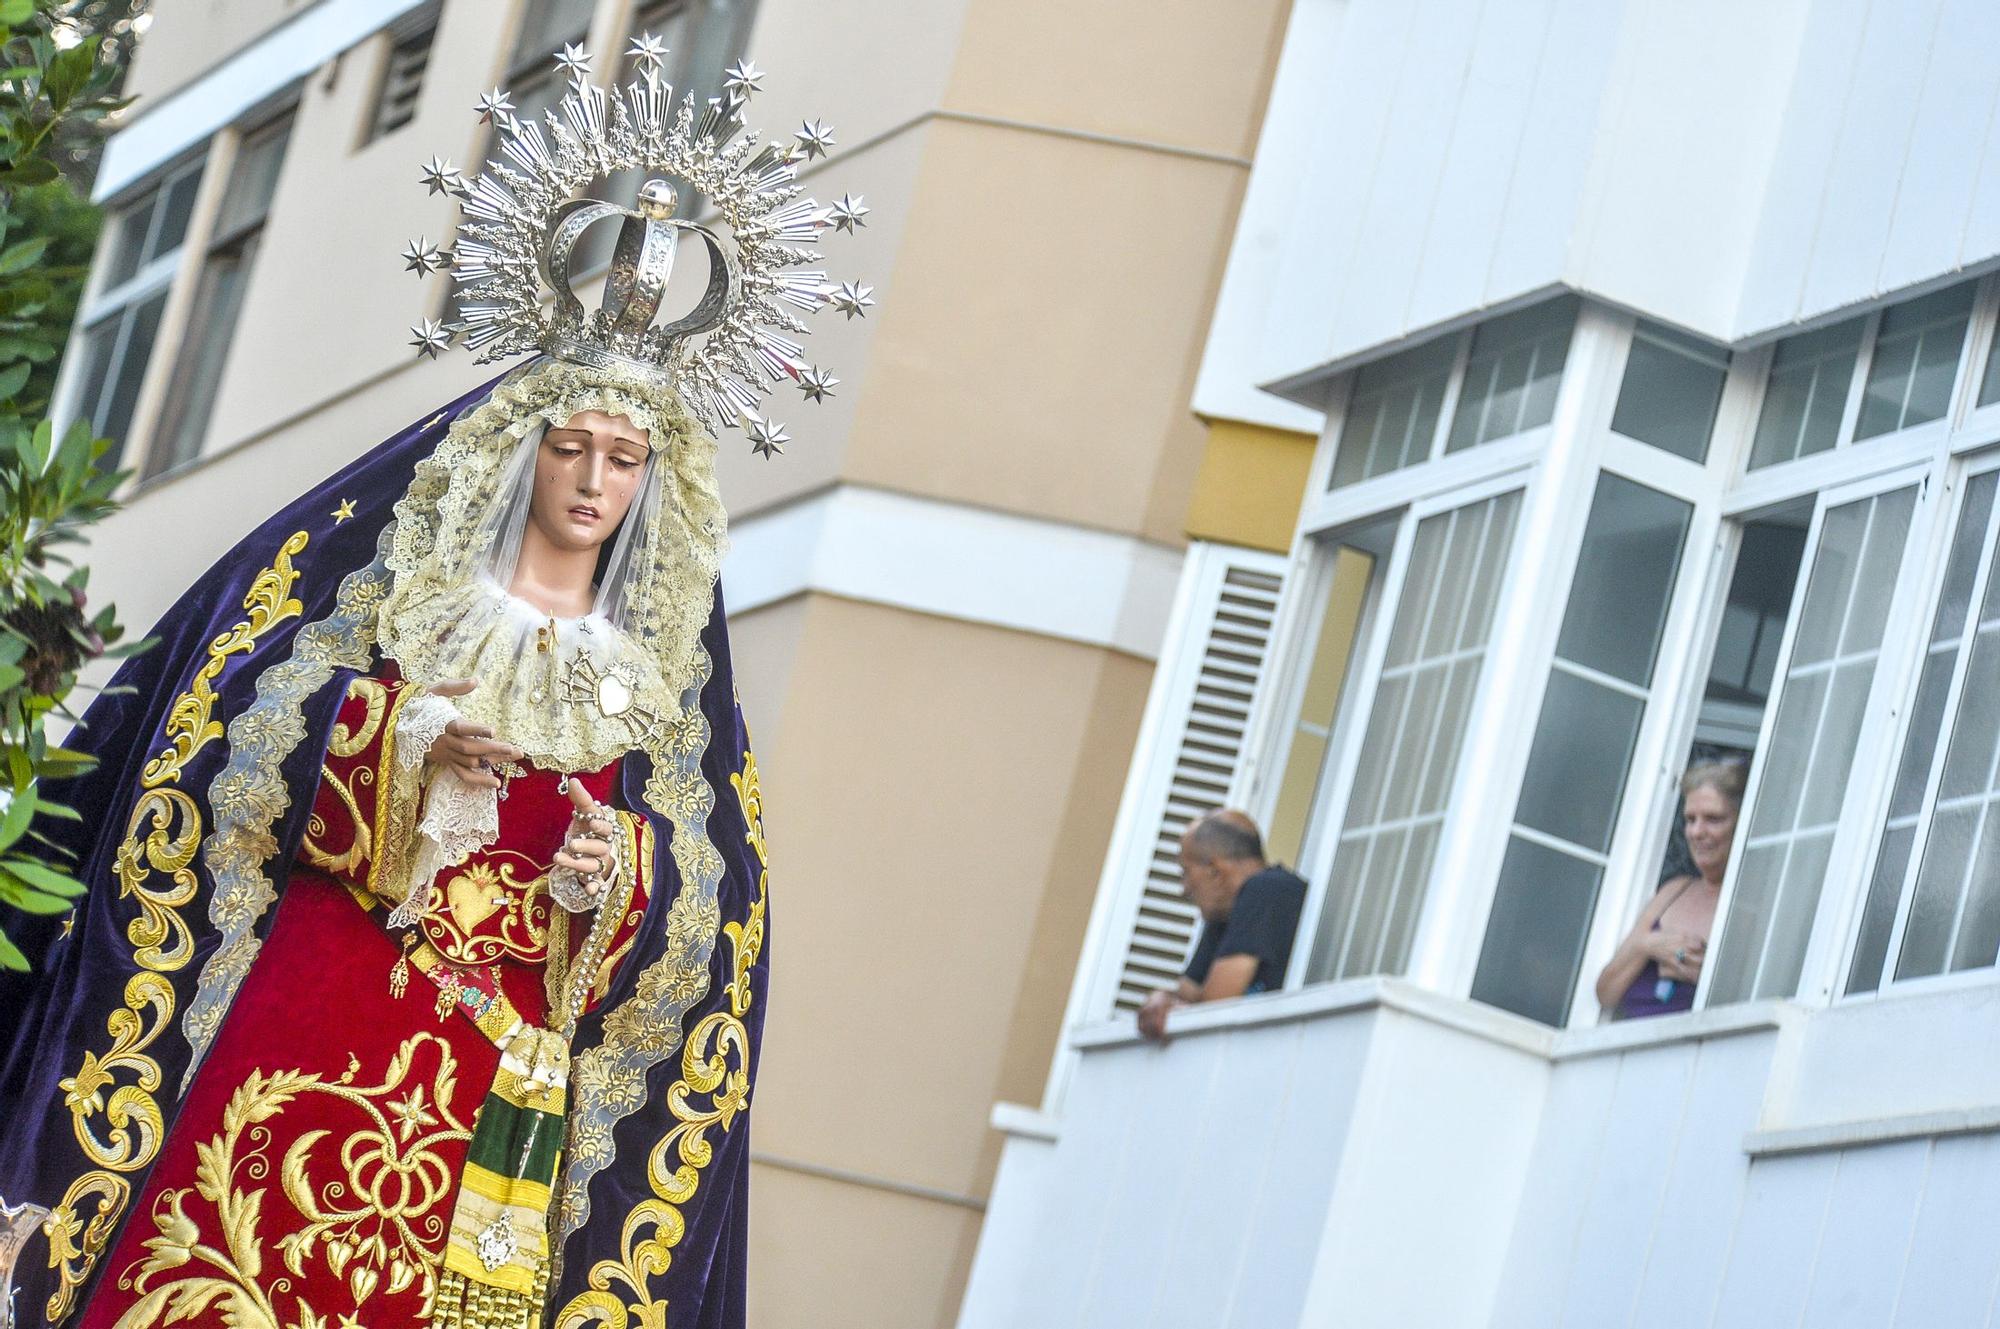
[{"x": 55, "y": 85}]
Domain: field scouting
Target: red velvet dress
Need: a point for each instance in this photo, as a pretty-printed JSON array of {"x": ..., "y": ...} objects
[{"x": 310, "y": 1178}]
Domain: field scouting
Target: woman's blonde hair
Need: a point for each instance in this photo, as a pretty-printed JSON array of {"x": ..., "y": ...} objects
[{"x": 1724, "y": 777}]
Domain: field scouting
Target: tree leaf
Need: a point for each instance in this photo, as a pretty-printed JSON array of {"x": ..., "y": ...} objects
[
  {"x": 34, "y": 171},
  {"x": 33, "y": 901},
  {"x": 43, "y": 877},
  {"x": 11, "y": 957},
  {"x": 20, "y": 257},
  {"x": 13, "y": 378},
  {"x": 20, "y": 811}
]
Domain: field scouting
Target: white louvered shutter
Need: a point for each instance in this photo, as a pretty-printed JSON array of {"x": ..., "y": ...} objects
[{"x": 1212, "y": 670}]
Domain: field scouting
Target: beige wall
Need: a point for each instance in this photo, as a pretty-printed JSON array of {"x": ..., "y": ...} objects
[{"x": 190, "y": 37}]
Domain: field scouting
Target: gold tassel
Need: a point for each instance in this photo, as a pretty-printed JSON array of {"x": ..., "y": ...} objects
[{"x": 462, "y": 1303}]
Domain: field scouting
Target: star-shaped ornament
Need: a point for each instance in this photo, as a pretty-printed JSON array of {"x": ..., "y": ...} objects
[
  {"x": 441, "y": 177},
  {"x": 574, "y": 60},
  {"x": 852, "y": 299},
  {"x": 817, "y": 384},
  {"x": 743, "y": 78},
  {"x": 412, "y": 1114},
  {"x": 849, "y": 213},
  {"x": 344, "y": 511},
  {"x": 815, "y": 136},
  {"x": 496, "y": 107},
  {"x": 431, "y": 337},
  {"x": 648, "y": 52},
  {"x": 767, "y": 437},
  {"x": 423, "y": 258}
]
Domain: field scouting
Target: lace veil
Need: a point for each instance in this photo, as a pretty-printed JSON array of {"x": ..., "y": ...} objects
[{"x": 575, "y": 693}]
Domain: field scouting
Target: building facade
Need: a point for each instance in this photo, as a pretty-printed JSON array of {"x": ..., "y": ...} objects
[
  {"x": 1645, "y": 359},
  {"x": 945, "y": 600}
]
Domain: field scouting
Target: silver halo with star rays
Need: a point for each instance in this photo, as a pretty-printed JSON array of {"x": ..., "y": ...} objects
[{"x": 510, "y": 211}]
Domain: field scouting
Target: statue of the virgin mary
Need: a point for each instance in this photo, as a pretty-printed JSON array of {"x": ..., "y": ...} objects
[{"x": 424, "y": 960}]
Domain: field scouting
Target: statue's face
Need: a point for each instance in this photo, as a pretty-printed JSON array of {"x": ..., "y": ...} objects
[{"x": 586, "y": 476}]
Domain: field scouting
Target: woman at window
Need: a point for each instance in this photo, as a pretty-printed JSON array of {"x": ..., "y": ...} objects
[{"x": 1655, "y": 969}]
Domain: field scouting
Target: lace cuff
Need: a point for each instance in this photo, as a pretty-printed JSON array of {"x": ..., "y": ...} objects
[
  {"x": 459, "y": 819},
  {"x": 419, "y": 722}
]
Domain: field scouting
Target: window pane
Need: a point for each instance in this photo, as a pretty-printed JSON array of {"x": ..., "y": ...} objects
[
  {"x": 254, "y": 177},
  {"x": 1801, "y": 790},
  {"x": 1672, "y": 388},
  {"x": 122, "y": 392},
  {"x": 1806, "y": 394},
  {"x": 131, "y": 226},
  {"x": 1392, "y": 413},
  {"x": 1916, "y": 359},
  {"x": 211, "y": 326},
  {"x": 1312, "y": 726},
  {"x": 1576, "y": 766},
  {"x": 1512, "y": 374},
  {"x": 1989, "y": 383},
  {"x": 722, "y": 28},
  {"x": 1955, "y": 910},
  {"x": 99, "y": 350},
  {"x": 1534, "y": 938},
  {"x": 1581, "y": 756},
  {"x": 176, "y": 206},
  {"x": 1618, "y": 601},
  {"x": 546, "y": 26},
  {"x": 1410, "y": 749}
]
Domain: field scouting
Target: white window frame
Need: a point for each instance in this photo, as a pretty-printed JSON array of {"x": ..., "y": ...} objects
[
  {"x": 1949, "y": 505},
  {"x": 155, "y": 276}
]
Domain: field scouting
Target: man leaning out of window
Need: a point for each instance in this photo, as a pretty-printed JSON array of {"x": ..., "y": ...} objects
[{"x": 1249, "y": 911}]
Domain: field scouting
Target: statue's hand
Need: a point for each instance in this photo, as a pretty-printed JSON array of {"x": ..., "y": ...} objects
[
  {"x": 587, "y": 850},
  {"x": 469, "y": 749}
]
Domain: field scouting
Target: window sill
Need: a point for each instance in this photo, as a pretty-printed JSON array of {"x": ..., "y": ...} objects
[
  {"x": 1871, "y": 1130},
  {"x": 1327, "y": 999}
]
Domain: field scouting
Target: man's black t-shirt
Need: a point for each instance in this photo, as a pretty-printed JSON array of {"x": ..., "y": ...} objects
[{"x": 1262, "y": 922}]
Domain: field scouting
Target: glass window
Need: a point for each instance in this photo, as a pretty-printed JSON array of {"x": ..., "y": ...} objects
[
  {"x": 403, "y": 72},
  {"x": 1989, "y": 382},
  {"x": 1783, "y": 860},
  {"x": 1512, "y": 374},
  {"x": 1582, "y": 750},
  {"x": 1672, "y": 388},
  {"x": 151, "y": 224},
  {"x": 143, "y": 234},
  {"x": 1806, "y": 395},
  {"x": 1410, "y": 748},
  {"x": 1915, "y": 362},
  {"x": 1943, "y": 888},
  {"x": 1338, "y": 621},
  {"x": 218, "y": 300},
  {"x": 1392, "y": 414},
  {"x": 546, "y": 27}
]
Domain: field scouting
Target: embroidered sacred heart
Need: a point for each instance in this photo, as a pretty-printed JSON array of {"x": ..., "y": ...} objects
[{"x": 472, "y": 896}]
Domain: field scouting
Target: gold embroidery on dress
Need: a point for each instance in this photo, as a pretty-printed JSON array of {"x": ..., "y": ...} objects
[
  {"x": 344, "y": 742},
  {"x": 714, "y": 1086},
  {"x": 371, "y": 1221},
  {"x": 160, "y": 839},
  {"x": 478, "y": 893}
]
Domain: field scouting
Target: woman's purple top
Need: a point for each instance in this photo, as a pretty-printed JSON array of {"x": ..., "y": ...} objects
[{"x": 1651, "y": 994}]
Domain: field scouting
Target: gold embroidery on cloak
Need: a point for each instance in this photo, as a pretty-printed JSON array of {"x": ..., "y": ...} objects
[
  {"x": 160, "y": 839},
  {"x": 714, "y": 1086}
]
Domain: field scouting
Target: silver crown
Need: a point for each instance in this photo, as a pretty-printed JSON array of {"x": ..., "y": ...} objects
[{"x": 524, "y": 214}]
